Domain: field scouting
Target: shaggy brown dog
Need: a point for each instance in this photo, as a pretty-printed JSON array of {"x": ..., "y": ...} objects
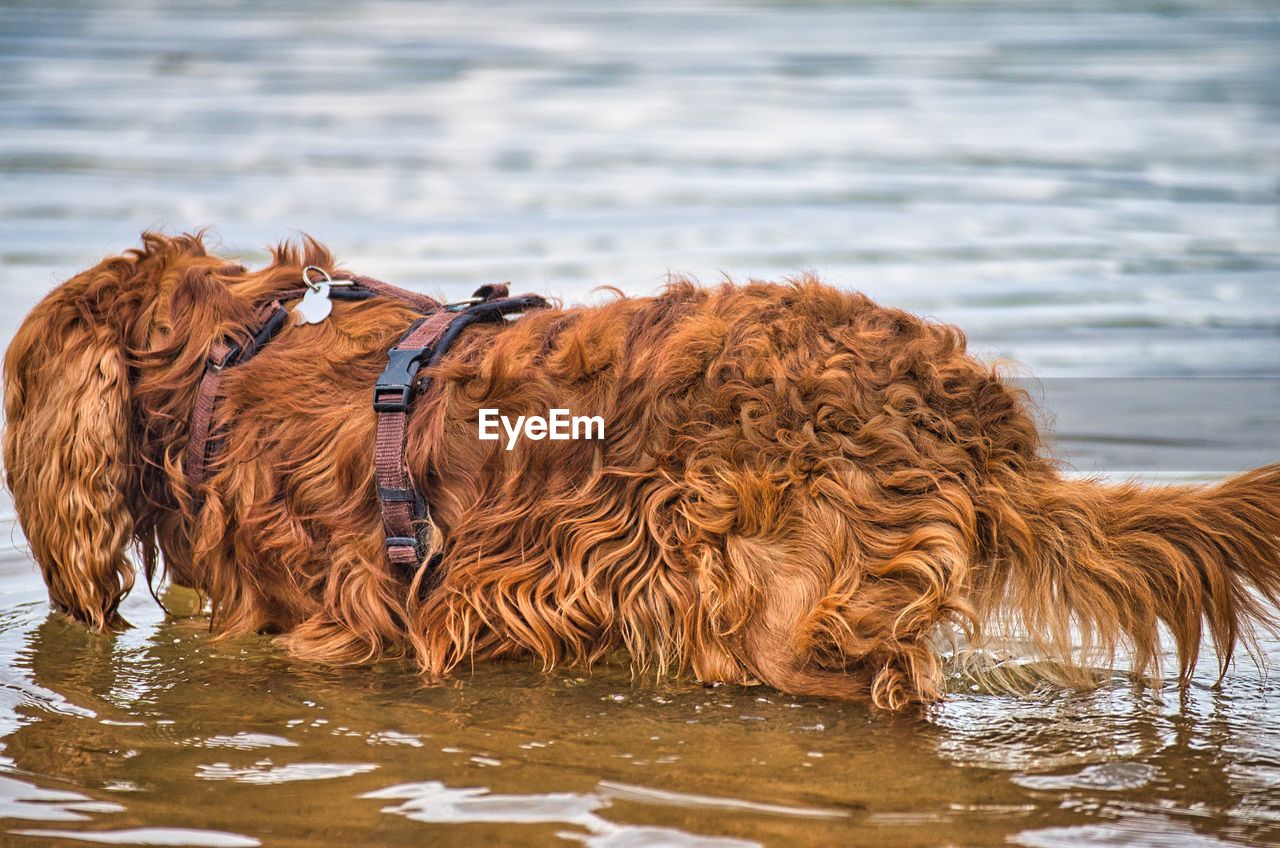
[{"x": 797, "y": 486}]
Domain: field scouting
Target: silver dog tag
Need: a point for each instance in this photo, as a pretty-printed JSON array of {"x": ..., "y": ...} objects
[{"x": 315, "y": 305}]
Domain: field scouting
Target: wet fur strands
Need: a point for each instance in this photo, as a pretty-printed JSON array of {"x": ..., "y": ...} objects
[{"x": 797, "y": 486}]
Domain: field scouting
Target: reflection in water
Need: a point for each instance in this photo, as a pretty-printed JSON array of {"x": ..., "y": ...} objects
[
  {"x": 510, "y": 755},
  {"x": 263, "y": 772},
  {"x": 174, "y": 836},
  {"x": 20, "y": 800},
  {"x": 684, "y": 799},
  {"x": 435, "y": 803},
  {"x": 1111, "y": 775},
  {"x": 1087, "y": 190}
]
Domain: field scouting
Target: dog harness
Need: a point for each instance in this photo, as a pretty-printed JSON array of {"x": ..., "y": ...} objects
[{"x": 405, "y": 510}]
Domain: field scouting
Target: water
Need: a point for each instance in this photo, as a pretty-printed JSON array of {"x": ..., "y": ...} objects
[{"x": 1089, "y": 189}]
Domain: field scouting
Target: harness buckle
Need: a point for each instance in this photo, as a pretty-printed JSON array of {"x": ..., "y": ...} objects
[
  {"x": 383, "y": 401},
  {"x": 394, "y": 388}
]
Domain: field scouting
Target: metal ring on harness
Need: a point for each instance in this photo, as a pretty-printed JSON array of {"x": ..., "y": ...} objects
[{"x": 315, "y": 287}]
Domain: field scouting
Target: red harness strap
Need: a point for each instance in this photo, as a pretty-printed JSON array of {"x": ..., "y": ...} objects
[
  {"x": 405, "y": 512},
  {"x": 224, "y": 354},
  {"x": 401, "y": 506},
  {"x": 420, "y": 302}
]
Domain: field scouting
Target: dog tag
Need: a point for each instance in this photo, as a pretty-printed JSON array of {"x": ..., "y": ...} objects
[{"x": 315, "y": 305}]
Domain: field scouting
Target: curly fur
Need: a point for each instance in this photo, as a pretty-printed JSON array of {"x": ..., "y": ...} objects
[{"x": 797, "y": 486}]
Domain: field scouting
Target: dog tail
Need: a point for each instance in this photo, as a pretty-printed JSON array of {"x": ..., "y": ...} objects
[{"x": 1084, "y": 568}]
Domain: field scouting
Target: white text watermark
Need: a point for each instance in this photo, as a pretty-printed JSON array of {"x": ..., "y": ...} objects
[{"x": 559, "y": 425}]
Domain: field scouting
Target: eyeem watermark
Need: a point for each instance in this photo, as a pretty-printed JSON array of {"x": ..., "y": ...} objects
[{"x": 559, "y": 426}]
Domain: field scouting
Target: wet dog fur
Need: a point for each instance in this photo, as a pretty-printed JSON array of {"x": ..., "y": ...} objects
[{"x": 797, "y": 486}]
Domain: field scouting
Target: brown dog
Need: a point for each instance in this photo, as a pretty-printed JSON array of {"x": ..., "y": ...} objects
[{"x": 796, "y": 486}]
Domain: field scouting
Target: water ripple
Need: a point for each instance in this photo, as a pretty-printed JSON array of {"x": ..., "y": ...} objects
[
  {"x": 266, "y": 774},
  {"x": 435, "y": 803}
]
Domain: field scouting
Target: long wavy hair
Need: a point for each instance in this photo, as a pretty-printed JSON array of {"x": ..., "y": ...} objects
[{"x": 796, "y": 486}]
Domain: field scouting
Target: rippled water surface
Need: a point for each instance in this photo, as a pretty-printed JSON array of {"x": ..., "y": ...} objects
[{"x": 1089, "y": 189}]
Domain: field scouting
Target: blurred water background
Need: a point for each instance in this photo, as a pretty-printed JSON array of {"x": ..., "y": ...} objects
[{"x": 1089, "y": 189}]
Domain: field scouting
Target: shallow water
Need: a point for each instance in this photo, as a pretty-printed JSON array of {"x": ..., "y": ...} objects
[{"x": 1088, "y": 189}]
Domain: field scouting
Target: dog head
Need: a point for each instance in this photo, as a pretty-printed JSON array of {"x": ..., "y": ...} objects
[{"x": 92, "y": 382}]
